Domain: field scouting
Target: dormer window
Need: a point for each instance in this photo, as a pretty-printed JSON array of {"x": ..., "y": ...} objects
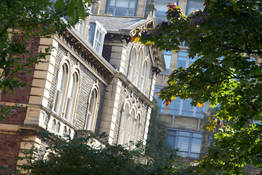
[
  {"x": 80, "y": 26},
  {"x": 121, "y": 7},
  {"x": 96, "y": 36}
]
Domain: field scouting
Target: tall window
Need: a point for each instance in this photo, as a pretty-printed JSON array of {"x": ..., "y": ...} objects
[
  {"x": 80, "y": 26},
  {"x": 161, "y": 9},
  {"x": 92, "y": 110},
  {"x": 132, "y": 59},
  {"x": 123, "y": 120},
  {"x": 143, "y": 76},
  {"x": 187, "y": 143},
  {"x": 167, "y": 57},
  {"x": 137, "y": 126},
  {"x": 121, "y": 7},
  {"x": 71, "y": 94},
  {"x": 129, "y": 125},
  {"x": 96, "y": 36},
  {"x": 61, "y": 86},
  {"x": 193, "y": 5},
  {"x": 138, "y": 66}
]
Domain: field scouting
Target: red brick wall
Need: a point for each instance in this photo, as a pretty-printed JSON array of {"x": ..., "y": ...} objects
[
  {"x": 17, "y": 117},
  {"x": 21, "y": 95},
  {"x": 9, "y": 149}
]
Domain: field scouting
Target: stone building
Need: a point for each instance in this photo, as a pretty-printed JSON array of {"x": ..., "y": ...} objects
[
  {"x": 96, "y": 79},
  {"x": 185, "y": 122}
]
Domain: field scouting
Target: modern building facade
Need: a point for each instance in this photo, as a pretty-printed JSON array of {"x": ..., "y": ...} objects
[
  {"x": 185, "y": 131},
  {"x": 96, "y": 79}
]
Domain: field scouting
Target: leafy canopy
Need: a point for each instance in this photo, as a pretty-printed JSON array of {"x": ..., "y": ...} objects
[{"x": 227, "y": 38}]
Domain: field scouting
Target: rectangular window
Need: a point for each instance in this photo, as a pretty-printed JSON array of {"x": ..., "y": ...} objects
[
  {"x": 121, "y": 7},
  {"x": 96, "y": 36},
  {"x": 161, "y": 9},
  {"x": 194, "y": 5},
  {"x": 168, "y": 58},
  {"x": 186, "y": 143}
]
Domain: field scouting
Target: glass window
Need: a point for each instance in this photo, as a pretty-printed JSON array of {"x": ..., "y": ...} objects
[
  {"x": 167, "y": 57},
  {"x": 71, "y": 93},
  {"x": 161, "y": 9},
  {"x": 80, "y": 26},
  {"x": 60, "y": 88},
  {"x": 123, "y": 119},
  {"x": 96, "y": 36},
  {"x": 175, "y": 106},
  {"x": 193, "y": 5},
  {"x": 121, "y": 7},
  {"x": 186, "y": 143},
  {"x": 138, "y": 65},
  {"x": 92, "y": 110},
  {"x": 132, "y": 58},
  {"x": 143, "y": 76}
]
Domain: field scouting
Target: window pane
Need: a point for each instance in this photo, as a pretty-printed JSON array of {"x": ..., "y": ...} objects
[
  {"x": 196, "y": 145},
  {"x": 183, "y": 143},
  {"x": 121, "y": 7},
  {"x": 193, "y": 5},
  {"x": 161, "y": 9},
  {"x": 175, "y": 106},
  {"x": 188, "y": 109},
  {"x": 171, "y": 141}
]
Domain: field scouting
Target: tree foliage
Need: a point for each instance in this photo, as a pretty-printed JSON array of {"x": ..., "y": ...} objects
[
  {"x": 226, "y": 38},
  {"x": 156, "y": 146}
]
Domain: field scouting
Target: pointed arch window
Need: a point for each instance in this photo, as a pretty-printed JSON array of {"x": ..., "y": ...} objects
[
  {"x": 122, "y": 129},
  {"x": 136, "y": 136},
  {"x": 129, "y": 125},
  {"x": 138, "y": 66},
  {"x": 92, "y": 110},
  {"x": 61, "y": 87},
  {"x": 131, "y": 63},
  {"x": 71, "y": 94},
  {"x": 143, "y": 76}
]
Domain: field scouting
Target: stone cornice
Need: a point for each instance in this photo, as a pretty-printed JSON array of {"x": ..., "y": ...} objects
[{"x": 87, "y": 53}]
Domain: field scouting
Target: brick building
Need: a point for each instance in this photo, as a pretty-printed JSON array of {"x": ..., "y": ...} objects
[{"x": 95, "y": 79}]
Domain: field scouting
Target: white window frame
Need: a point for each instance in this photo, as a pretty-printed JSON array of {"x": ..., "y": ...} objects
[
  {"x": 92, "y": 109},
  {"x": 99, "y": 29},
  {"x": 61, "y": 92},
  {"x": 72, "y": 92}
]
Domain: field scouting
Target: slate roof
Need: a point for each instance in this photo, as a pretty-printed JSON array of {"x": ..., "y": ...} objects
[{"x": 114, "y": 24}]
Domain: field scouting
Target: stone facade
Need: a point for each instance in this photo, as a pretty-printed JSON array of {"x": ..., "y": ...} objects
[{"x": 94, "y": 85}]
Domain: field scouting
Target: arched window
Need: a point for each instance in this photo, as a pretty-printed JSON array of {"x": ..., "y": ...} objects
[
  {"x": 61, "y": 86},
  {"x": 136, "y": 133},
  {"x": 92, "y": 110},
  {"x": 138, "y": 66},
  {"x": 71, "y": 94},
  {"x": 132, "y": 59},
  {"x": 123, "y": 119},
  {"x": 129, "y": 125},
  {"x": 143, "y": 76}
]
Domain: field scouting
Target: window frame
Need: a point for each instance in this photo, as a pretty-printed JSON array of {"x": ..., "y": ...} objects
[
  {"x": 91, "y": 117},
  {"x": 132, "y": 59},
  {"x": 59, "y": 110},
  {"x": 98, "y": 29},
  {"x": 115, "y": 7},
  {"x": 125, "y": 112},
  {"x": 191, "y": 136},
  {"x": 72, "y": 101}
]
